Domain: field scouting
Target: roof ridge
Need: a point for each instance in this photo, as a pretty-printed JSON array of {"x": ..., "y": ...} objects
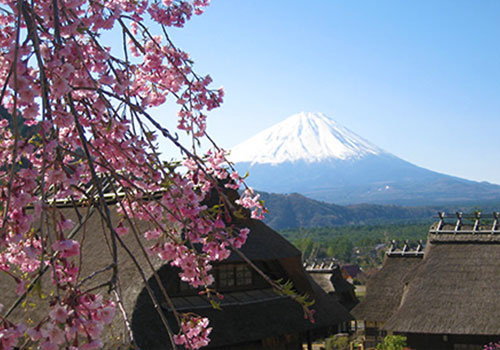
[
  {"x": 470, "y": 223},
  {"x": 406, "y": 249}
]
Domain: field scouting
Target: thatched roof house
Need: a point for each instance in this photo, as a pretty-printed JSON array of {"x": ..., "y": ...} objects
[
  {"x": 384, "y": 292},
  {"x": 330, "y": 278},
  {"x": 252, "y": 316},
  {"x": 451, "y": 300},
  {"x": 385, "y": 289}
]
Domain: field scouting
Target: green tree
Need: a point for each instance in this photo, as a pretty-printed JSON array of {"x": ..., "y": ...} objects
[
  {"x": 330, "y": 252},
  {"x": 392, "y": 342}
]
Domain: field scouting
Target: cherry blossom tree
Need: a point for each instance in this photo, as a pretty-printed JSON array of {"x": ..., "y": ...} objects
[
  {"x": 492, "y": 346},
  {"x": 80, "y": 127}
]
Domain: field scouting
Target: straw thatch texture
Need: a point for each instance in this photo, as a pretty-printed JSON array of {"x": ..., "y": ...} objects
[
  {"x": 385, "y": 289},
  {"x": 455, "y": 290},
  {"x": 95, "y": 256},
  {"x": 334, "y": 284},
  {"x": 323, "y": 280}
]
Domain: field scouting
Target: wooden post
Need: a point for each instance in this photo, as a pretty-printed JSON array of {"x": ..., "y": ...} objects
[
  {"x": 459, "y": 222},
  {"x": 495, "y": 222},
  {"x": 476, "y": 223}
]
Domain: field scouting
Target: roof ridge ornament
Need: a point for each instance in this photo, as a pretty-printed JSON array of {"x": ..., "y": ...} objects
[
  {"x": 394, "y": 245},
  {"x": 470, "y": 223},
  {"x": 320, "y": 265},
  {"x": 405, "y": 247},
  {"x": 407, "y": 250},
  {"x": 459, "y": 221},
  {"x": 420, "y": 246},
  {"x": 495, "y": 222}
]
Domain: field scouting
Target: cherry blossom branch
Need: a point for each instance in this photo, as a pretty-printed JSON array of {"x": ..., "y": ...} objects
[{"x": 94, "y": 134}]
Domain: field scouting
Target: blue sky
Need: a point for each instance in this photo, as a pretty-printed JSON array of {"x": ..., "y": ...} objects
[{"x": 419, "y": 79}]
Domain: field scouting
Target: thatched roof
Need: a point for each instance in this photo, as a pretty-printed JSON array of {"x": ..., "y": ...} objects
[
  {"x": 95, "y": 248},
  {"x": 331, "y": 280},
  {"x": 246, "y": 316},
  {"x": 263, "y": 244},
  {"x": 385, "y": 289},
  {"x": 333, "y": 283},
  {"x": 323, "y": 280},
  {"x": 455, "y": 290}
]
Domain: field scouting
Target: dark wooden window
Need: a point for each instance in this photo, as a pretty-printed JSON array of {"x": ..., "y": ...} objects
[
  {"x": 233, "y": 275},
  {"x": 226, "y": 276},
  {"x": 243, "y": 275}
]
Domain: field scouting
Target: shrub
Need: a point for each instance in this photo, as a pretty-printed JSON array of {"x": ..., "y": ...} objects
[
  {"x": 337, "y": 342},
  {"x": 392, "y": 342}
]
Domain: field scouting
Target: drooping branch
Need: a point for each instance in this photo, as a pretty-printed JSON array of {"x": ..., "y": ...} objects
[{"x": 94, "y": 145}]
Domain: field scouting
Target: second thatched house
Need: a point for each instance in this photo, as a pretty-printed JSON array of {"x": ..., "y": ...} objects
[
  {"x": 329, "y": 276},
  {"x": 452, "y": 300},
  {"x": 384, "y": 292}
]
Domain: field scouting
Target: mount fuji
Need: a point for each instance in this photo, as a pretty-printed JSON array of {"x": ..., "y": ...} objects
[{"x": 313, "y": 155}]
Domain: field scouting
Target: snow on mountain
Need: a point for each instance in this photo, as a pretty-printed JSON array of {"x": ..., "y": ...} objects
[
  {"x": 309, "y": 137},
  {"x": 311, "y": 154}
]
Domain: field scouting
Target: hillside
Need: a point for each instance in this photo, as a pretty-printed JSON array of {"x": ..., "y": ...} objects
[
  {"x": 290, "y": 211},
  {"x": 295, "y": 210}
]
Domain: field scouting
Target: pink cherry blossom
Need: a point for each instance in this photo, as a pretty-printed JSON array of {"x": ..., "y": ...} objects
[
  {"x": 67, "y": 248},
  {"x": 90, "y": 137},
  {"x": 195, "y": 332},
  {"x": 121, "y": 230},
  {"x": 59, "y": 314}
]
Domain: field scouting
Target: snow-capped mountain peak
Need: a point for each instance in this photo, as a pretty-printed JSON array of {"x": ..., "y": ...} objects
[{"x": 309, "y": 137}]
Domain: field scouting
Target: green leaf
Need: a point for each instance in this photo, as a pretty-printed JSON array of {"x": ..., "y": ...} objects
[
  {"x": 215, "y": 304},
  {"x": 37, "y": 288},
  {"x": 82, "y": 29}
]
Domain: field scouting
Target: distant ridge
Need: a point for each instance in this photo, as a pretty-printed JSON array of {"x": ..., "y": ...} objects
[
  {"x": 313, "y": 155},
  {"x": 288, "y": 211},
  {"x": 291, "y": 211}
]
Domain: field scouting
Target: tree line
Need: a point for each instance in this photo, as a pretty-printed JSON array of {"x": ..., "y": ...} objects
[{"x": 353, "y": 244}]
